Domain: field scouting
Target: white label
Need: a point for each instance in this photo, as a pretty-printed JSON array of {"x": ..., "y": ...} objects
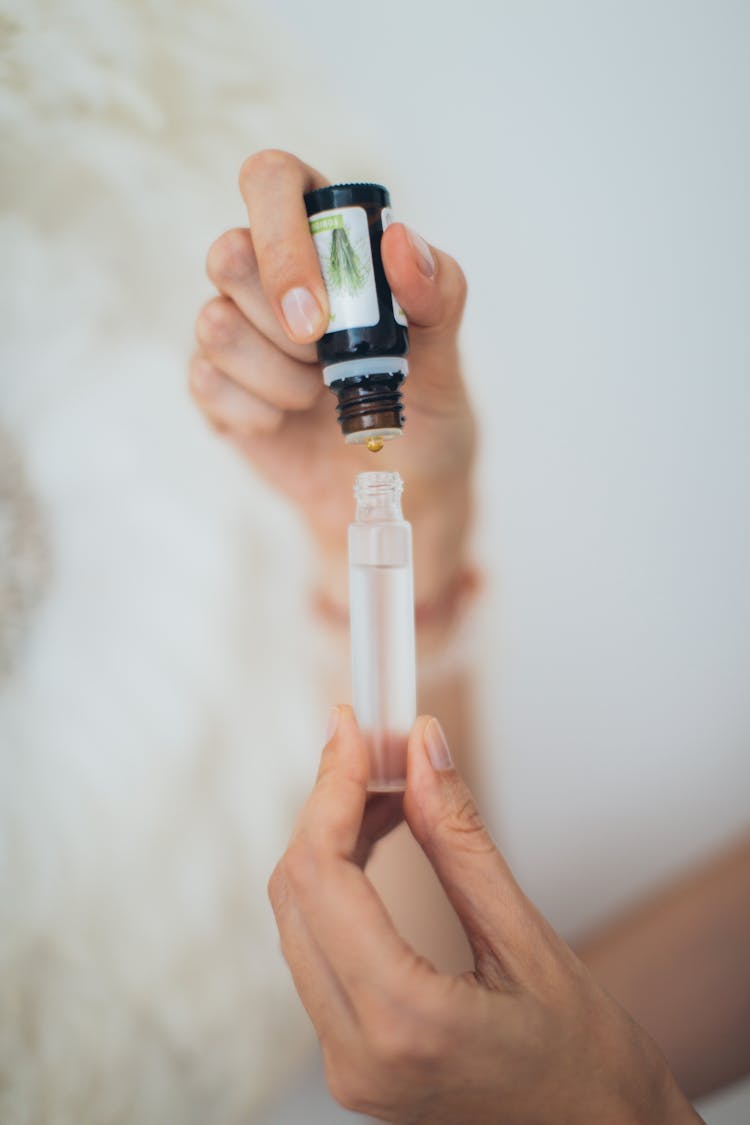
[
  {"x": 398, "y": 313},
  {"x": 342, "y": 240}
]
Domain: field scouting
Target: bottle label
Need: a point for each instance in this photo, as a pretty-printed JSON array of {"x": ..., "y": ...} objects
[
  {"x": 342, "y": 240},
  {"x": 398, "y": 313}
]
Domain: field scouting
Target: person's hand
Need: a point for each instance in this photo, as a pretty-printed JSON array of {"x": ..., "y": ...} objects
[
  {"x": 526, "y": 1037},
  {"x": 256, "y": 376}
]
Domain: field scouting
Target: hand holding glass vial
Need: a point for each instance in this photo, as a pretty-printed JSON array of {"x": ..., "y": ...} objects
[{"x": 381, "y": 608}]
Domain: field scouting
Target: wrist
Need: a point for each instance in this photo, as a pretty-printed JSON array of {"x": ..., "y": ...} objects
[{"x": 441, "y": 526}]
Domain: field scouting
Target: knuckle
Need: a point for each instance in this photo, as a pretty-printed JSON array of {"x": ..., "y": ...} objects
[
  {"x": 205, "y": 386},
  {"x": 299, "y": 867},
  {"x": 304, "y": 394},
  {"x": 201, "y": 379},
  {"x": 462, "y": 822},
  {"x": 347, "y": 1086},
  {"x": 230, "y": 256},
  {"x": 264, "y": 164},
  {"x": 314, "y": 390},
  {"x": 216, "y": 322},
  {"x": 466, "y": 815},
  {"x": 282, "y": 262},
  {"x": 277, "y": 888},
  {"x": 389, "y": 1045},
  {"x": 396, "y": 1044},
  {"x": 401, "y": 1038},
  {"x": 267, "y": 420},
  {"x": 219, "y": 426}
]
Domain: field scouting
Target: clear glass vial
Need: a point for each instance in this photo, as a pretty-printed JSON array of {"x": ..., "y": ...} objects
[
  {"x": 363, "y": 352},
  {"x": 381, "y": 608}
]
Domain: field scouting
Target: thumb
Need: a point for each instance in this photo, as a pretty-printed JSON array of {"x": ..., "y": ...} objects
[
  {"x": 431, "y": 288},
  {"x": 339, "y": 818},
  {"x": 499, "y": 921}
]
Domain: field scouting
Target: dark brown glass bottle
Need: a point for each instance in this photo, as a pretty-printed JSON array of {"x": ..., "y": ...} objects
[{"x": 364, "y": 351}]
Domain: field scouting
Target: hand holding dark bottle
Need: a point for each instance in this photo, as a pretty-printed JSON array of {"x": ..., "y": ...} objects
[{"x": 257, "y": 379}]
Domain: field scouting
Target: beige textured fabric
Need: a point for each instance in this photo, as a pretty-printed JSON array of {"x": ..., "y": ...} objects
[
  {"x": 24, "y": 553},
  {"x": 157, "y": 724}
]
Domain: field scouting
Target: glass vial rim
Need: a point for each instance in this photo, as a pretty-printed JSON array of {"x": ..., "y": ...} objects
[{"x": 378, "y": 495}]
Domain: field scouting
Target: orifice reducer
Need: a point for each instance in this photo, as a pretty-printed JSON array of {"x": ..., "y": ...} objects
[{"x": 363, "y": 352}]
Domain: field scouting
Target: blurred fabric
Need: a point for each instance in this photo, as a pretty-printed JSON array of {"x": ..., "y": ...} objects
[{"x": 157, "y": 721}]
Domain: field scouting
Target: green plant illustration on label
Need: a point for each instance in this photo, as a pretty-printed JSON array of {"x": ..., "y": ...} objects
[
  {"x": 342, "y": 243},
  {"x": 347, "y": 273}
]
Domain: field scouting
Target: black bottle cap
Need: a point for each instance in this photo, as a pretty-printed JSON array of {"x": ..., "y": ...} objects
[{"x": 346, "y": 195}]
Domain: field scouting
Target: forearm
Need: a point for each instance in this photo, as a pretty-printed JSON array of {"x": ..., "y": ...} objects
[{"x": 680, "y": 964}]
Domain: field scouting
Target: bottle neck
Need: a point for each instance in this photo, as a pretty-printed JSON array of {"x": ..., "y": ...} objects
[{"x": 378, "y": 497}]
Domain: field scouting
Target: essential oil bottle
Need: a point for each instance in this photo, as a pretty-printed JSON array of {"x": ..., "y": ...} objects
[
  {"x": 381, "y": 612},
  {"x": 364, "y": 351}
]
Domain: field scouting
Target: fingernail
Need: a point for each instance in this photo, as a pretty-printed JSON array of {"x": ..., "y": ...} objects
[
  {"x": 301, "y": 312},
  {"x": 333, "y": 722},
  {"x": 425, "y": 260},
  {"x": 436, "y": 746}
]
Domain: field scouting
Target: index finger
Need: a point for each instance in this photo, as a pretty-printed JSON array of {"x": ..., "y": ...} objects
[
  {"x": 340, "y": 819},
  {"x": 273, "y": 184},
  {"x": 331, "y": 818},
  {"x": 338, "y": 904}
]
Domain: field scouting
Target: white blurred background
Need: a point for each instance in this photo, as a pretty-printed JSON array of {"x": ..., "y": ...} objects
[{"x": 588, "y": 165}]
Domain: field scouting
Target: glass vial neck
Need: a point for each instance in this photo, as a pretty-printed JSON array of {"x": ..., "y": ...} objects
[{"x": 378, "y": 497}]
